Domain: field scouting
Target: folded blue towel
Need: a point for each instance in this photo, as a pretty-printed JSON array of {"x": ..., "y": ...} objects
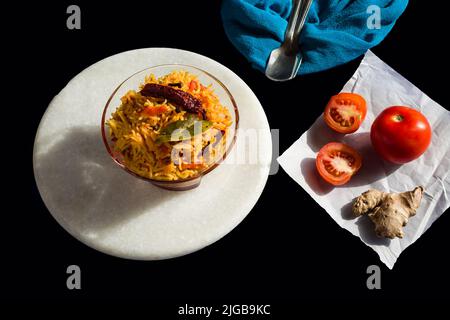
[{"x": 335, "y": 32}]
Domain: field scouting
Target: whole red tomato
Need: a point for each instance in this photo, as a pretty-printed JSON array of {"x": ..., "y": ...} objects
[{"x": 400, "y": 134}]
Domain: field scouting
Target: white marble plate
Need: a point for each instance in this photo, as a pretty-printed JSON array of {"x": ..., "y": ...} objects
[{"x": 110, "y": 210}]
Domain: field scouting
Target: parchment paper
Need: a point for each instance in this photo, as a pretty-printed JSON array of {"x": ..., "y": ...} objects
[{"x": 382, "y": 87}]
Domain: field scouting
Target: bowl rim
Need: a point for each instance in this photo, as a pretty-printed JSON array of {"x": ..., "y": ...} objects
[{"x": 200, "y": 174}]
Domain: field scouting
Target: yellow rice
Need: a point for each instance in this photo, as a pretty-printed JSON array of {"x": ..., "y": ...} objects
[{"x": 134, "y": 132}]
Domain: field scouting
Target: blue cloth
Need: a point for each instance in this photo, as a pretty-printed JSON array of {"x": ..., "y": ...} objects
[{"x": 335, "y": 31}]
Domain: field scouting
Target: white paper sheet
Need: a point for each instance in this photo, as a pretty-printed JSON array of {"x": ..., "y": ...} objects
[{"x": 382, "y": 87}]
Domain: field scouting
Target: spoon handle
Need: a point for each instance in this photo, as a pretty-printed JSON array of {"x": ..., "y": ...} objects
[
  {"x": 305, "y": 5},
  {"x": 292, "y": 23}
]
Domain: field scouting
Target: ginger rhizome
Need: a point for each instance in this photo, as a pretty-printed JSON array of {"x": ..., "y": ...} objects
[{"x": 388, "y": 211}]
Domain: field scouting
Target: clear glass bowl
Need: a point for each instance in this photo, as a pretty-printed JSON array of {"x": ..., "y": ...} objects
[{"x": 133, "y": 82}]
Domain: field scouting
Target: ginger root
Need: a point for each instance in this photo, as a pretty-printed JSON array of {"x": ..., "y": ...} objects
[{"x": 388, "y": 211}]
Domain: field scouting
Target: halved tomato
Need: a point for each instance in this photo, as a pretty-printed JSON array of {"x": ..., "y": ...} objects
[
  {"x": 345, "y": 112},
  {"x": 337, "y": 163}
]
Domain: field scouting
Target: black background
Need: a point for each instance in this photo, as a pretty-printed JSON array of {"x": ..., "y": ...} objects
[{"x": 287, "y": 247}]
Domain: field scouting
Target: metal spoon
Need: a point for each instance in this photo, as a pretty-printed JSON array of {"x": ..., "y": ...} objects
[{"x": 284, "y": 61}]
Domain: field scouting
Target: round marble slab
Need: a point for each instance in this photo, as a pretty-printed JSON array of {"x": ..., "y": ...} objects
[{"x": 111, "y": 211}]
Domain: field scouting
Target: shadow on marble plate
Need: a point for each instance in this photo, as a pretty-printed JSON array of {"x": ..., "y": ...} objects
[{"x": 85, "y": 190}]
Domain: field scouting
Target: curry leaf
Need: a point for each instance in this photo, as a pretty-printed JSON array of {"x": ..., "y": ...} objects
[{"x": 183, "y": 129}]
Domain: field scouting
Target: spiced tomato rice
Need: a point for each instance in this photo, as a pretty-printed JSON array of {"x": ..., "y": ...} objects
[{"x": 173, "y": 128}]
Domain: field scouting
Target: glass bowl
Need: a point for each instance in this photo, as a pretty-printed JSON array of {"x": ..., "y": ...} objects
[{"x": 133, "y": 82}]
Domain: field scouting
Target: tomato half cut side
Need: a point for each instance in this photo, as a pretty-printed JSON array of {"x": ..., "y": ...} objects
[
  {"x": 337, "y": 162},
  {"x": 345, "y": 112}
]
